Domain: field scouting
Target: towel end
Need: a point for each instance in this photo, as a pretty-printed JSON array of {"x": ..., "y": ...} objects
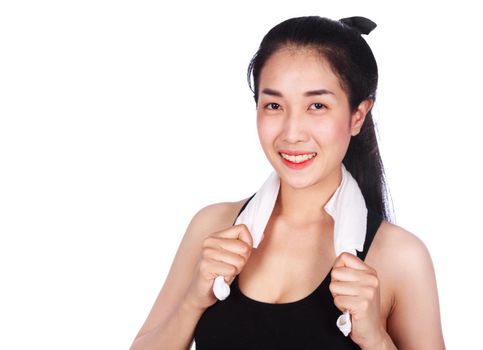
[
  {"x": 220, "y": 288},
  {"x": 344, "y": 323}
]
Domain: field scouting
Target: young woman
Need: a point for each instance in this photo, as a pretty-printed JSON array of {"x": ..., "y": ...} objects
[{"x": 315, "y": 83}]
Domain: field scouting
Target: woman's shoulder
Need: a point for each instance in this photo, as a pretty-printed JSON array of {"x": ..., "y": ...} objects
[
  {"x": 398, "y": 250},
  {"x": 404, "y": 260},
  {"x": 220, "y": 215},
  {"x": 393, "y": 249},
  {"x": 398, "y": 243}
]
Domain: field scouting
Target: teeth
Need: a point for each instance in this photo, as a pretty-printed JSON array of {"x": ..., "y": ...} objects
[{"x": 298, "y": 159}]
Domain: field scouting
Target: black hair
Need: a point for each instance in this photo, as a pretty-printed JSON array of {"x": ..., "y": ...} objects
[{"x": 351, "y": 59}]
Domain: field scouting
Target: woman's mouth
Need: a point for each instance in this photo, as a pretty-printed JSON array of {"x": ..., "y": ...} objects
[{"x": 299, "y": 161}]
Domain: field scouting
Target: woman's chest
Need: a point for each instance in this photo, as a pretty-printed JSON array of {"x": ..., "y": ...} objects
[
  {"x": 292, "y": 261},
  {"x": 295, "y": 262}
]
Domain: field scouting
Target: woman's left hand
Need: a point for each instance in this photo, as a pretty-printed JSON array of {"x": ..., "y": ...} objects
[{"x": 355, "y": 287}]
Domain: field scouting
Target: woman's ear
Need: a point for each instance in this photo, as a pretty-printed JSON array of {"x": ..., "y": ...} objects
[{"x": 359, "y": 115}]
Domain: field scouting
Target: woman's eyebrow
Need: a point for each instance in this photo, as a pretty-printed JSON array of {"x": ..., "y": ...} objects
[{"x": 272, "y": 92}]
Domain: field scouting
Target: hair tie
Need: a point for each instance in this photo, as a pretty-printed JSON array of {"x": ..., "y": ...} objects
[{"x": 362, "y": 24}]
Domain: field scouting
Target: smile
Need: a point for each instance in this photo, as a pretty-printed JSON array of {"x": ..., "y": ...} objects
[
  {"x": 298, "y": 162},
  {"x": 298, "y": 158}
]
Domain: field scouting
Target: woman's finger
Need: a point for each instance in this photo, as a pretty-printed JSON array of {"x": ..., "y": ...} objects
[
  {"x": 350, "y": 260},
  {"x": 232, "y": 245},
  {"x": 344, "y": 288},
  {"x": 227, "y": 257},
  {"x": 347, "y": 274}
]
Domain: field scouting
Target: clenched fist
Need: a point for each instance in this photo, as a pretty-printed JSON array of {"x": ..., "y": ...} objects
[{"x": 224, "y": 253}]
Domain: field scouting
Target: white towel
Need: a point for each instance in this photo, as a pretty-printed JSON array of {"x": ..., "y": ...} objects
[{"x": 346, "y": 206}]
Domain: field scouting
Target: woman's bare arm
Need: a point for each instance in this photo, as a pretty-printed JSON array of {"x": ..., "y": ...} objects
[
  {"x": 175, "y": 331},
  {"x": 415, "y": 321},
  {"x": 172, "y": 319}
]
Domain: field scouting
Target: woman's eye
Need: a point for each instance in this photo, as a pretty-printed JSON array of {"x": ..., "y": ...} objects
[
  {"x": 273, "y": 105},
  {"x": 318, "y": 105}
]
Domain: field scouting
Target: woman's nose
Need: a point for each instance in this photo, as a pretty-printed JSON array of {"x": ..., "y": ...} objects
[{"x": 295, "y": 128}]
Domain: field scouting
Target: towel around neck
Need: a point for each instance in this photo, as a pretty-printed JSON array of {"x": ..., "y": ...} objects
[{"x": 346, "y": 206}]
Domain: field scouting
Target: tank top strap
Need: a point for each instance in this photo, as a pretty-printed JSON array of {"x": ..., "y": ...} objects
[
  {"x": 243, "y": 207},
  {"x": 373, "y": 222}
]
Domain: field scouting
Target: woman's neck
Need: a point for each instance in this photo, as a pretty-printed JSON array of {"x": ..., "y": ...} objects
[{"x": 306, "y": 205}]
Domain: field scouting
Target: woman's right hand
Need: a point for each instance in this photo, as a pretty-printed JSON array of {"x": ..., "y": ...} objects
[{"x": 223, "y": 253}]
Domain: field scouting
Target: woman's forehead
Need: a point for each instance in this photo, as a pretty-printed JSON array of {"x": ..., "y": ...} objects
[{"x": 298, "y": 69}]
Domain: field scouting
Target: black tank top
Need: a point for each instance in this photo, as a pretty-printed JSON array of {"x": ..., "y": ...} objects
[{"x": 239, "y": 322}]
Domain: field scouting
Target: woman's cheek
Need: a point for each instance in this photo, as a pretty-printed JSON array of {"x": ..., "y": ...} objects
[
  {"x": 327, "y": 132},
  {"x": 339, "y": 137},
  {"x": 332, "y": 136},
  {"x": 267, "y": 129}
]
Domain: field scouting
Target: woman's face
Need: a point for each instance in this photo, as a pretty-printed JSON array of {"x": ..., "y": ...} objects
[{"x": 303, "y": 109}]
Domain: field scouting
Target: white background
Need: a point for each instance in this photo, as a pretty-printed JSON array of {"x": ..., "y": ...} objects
[{"x": 121, "y": 119}]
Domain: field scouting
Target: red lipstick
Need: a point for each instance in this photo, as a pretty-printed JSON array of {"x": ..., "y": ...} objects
[
  {"x": 293, "y": 165},
  {"x": 296, "y": 153}
]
